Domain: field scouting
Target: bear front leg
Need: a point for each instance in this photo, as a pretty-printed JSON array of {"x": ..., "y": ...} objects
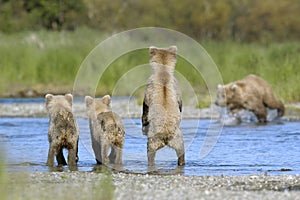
[
  {"x": 60, "y": 157},
  {"x": 280, "y": 109},
  {"x": 261, "y": 113},
  {"x": 50, "y": 160}
]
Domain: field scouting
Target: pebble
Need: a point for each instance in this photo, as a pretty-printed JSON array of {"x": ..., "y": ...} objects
[
  {"x": 117, "y": 185},
  {"x": 128, "y": 110}
]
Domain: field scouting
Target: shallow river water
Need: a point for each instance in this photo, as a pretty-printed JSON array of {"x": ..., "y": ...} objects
[{"x": 239, "y": 150}]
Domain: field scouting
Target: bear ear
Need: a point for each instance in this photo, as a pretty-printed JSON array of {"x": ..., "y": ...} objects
[
  {"x": 233, "y": 87},
  {"x": 88, "y": 100},
  {"x": 106, "y": 100},
  {"x": 48, "y": 97},
  {"x": 173, "y": 49},
  {"x": 152, "y": 50},
  {"x": 69, "y": 98}
]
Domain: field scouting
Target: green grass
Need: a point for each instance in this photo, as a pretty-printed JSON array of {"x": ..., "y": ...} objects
[
  {"x": 37, "y": 59},
  {"x": 46, "y": 59}
]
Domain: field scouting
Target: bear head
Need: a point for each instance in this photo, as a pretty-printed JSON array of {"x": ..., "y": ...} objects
[
  {"x": 230, "y": 94},
  {"x": 55, "y": 103},
  {"x": 163, "y": 56},
  {"x": 95, "y": 106}
]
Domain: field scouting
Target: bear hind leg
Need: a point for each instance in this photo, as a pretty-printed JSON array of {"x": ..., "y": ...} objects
[
  {"x": 104, "y": 152},
  {"x": 112, "y": 155},
  {"x": 118, "y": 155},
  {"x": 178, "y": 144},
  {"x": 153, "y": 145},
  {"x": 271, "y": 102},
  {"x": 278, "y": 105},
  {"x": 97, "y": 151},
  {"x": 51, "y": 154},
  {"x": 72, "y": 157}
]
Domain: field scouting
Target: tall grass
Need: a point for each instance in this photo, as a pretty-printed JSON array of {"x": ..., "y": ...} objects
[
  {"x": 42, "y": 59},
  {"x": 31, "y": 59}
]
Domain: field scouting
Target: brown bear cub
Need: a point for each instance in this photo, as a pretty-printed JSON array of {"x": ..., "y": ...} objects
[
  {"x": 162, "y": 105},
  {"x": 107, "y": 130},
  {"x": 251, "y": 93},
  {"x": 63, "y": 130}
]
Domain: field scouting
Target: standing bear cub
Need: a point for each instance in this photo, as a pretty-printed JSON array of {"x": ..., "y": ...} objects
[
  {"x": 107, "y": 130},
  {"x": 63, "y": 130},
  {"x": 251, "y": 93},
  {"x": 162, "y": 105}
]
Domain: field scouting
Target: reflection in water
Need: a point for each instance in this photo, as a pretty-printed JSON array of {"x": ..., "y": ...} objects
[{"x": 240, "y": 150}]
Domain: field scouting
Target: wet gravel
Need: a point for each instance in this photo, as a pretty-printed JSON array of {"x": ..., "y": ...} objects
[
  {"x": 124, "y": 108},
  {"x": 117, "y": 185}
]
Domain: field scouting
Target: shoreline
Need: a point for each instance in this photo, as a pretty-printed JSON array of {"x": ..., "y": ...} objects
[
  {"x": 112, "y": 185},
  {"x": 126, "y": 109}
]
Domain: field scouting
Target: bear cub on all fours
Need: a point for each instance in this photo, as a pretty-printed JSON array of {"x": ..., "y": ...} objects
[
  {"x": 63, "y": 130},
  {"x": 162, "y": 105},
  {"x": 251, "y": 93},
  {"x": 107, "y": 130}
]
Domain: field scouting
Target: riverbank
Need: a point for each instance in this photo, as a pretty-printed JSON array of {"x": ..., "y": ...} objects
[
  {"x": 118, "y": 185},
  {"x": 126, "y": 108}
]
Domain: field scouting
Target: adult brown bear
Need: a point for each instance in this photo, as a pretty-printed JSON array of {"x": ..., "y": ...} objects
[{"x": 251, "y": 93}]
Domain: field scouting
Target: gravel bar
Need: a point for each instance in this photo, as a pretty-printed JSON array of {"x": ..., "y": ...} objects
[
  {"x": 119, "y": 185},
  {"x": 126, "y": 109}
]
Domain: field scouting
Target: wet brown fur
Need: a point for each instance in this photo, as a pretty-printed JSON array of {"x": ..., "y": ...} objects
[
  {"x": 252, "y": 93},
  {"x": 107, "y": 130},
  {"x": 63, "y": 130}
]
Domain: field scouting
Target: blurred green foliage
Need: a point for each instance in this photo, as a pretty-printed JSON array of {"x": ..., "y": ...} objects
[
  {"x": 18, "y": 15},
  {"x": 244, "y": 20},
  {"x": 45, "y": 59},
  {"x": 43, "y": 43}
]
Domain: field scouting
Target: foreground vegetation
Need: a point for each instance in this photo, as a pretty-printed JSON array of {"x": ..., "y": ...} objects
[{"x": 44, "y": 59}]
